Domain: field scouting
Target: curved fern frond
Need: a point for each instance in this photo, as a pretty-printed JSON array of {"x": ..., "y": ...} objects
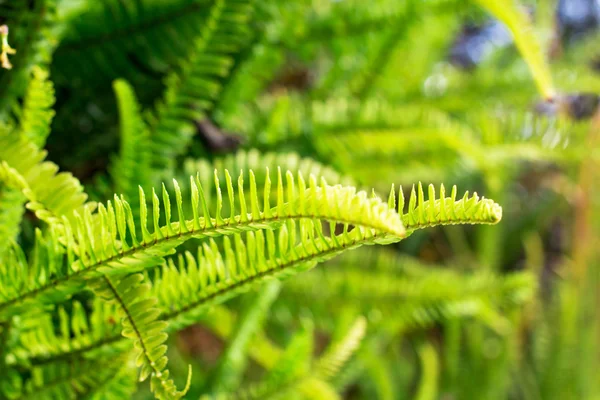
[
  {"x": 193, "y": 88},
  {"x": 421, "y": 213},
  {"x": 108, "y": 242},
  {"x": 138, "y": 42},
  {"x": 216, "y": 275},
  {"x": 131, "y": 168},
  {"x": 140, "y": 324}
]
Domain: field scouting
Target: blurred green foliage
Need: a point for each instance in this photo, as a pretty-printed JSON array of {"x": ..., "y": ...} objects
[{"x": 360, "y": 93}]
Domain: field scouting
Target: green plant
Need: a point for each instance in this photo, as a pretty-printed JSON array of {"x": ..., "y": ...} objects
[{"x": 218, "y": 148}]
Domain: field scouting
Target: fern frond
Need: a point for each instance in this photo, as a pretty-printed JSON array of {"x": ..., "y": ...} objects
[
  {"x": 313, "y": 383},
  {"x": 260, "y": 162},
  {"x": 295, "y": 361},
  {"x": 63, "y": 379},
  {"x": 337, "y": 355},
  {"x": 216, "y": 275},
  {"x": 131, "y": 168},
  {"x": 37, "y": 108},
  {"x": 229, "y": 371},
  {"x": 417, "y": 295},
  {"x": 54, "y": 194},
  {"x": 140, "y": 324},
  {"x": 19, "y": 275},
  {"x": 130, "y": 41},
  {"x": 11, "y": 214},
  {"x": 41, "y": 340},
  {"x": 116, "y": 248},
  {"x": 193, "y": 88},
  {"x": 421, "y": 213},
  {"x": 122, "y": 385}
]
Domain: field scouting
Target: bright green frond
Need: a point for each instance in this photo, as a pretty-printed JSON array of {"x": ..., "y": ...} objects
[
  {"x": 420, "y": 213},
  {"x": 107, "y": 241},
  {"x": 46, "y": 265},
  {"x": 246, "y": 261}
]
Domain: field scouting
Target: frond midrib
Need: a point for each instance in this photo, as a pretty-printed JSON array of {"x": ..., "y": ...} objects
[
  {"x": 207, "y": 299},
  {"x": 182, "y": 236}
]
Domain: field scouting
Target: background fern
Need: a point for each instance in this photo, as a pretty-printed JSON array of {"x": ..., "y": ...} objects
[{"x": 208, "y": 185}]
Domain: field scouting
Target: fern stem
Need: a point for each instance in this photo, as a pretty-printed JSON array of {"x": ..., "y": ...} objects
[
  {"x": 117, "y": 296},
  {"x": 180, "y": 237}
]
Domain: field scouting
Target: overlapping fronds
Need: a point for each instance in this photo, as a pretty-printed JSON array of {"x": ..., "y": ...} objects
[
  {"x": 312, "y": 382},
  {"x": 65, "y": 379},
  {"x": 108, "y": 240},
  {"x": 216, "y": 275},
  {"x": 19, "y": 275},
  {"x": 41, "y": 340},
  {"x": 416, "y": 294},
  {"x": 141, "y": 325},
  {"x": 228, "y": 373},
  {"x": 192, "y": 89},
  {"x": 134, "y": 41},
  {"x": 54, "y": 194}
]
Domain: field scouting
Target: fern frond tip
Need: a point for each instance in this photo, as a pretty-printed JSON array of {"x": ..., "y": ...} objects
[{"x": 433, "y": 211}]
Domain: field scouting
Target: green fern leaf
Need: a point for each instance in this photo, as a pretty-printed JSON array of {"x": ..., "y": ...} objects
[
  {"x": 196, "y": 84},
  {"x": 131, "y": 168},
  {"x": 37, "y": 108},
  {"x": 140, "y": 324},
  {"x": 421, "y": 213}
]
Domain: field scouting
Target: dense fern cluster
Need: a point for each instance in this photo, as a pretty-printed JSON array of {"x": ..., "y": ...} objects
[{"x": 171, "y": 173}]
